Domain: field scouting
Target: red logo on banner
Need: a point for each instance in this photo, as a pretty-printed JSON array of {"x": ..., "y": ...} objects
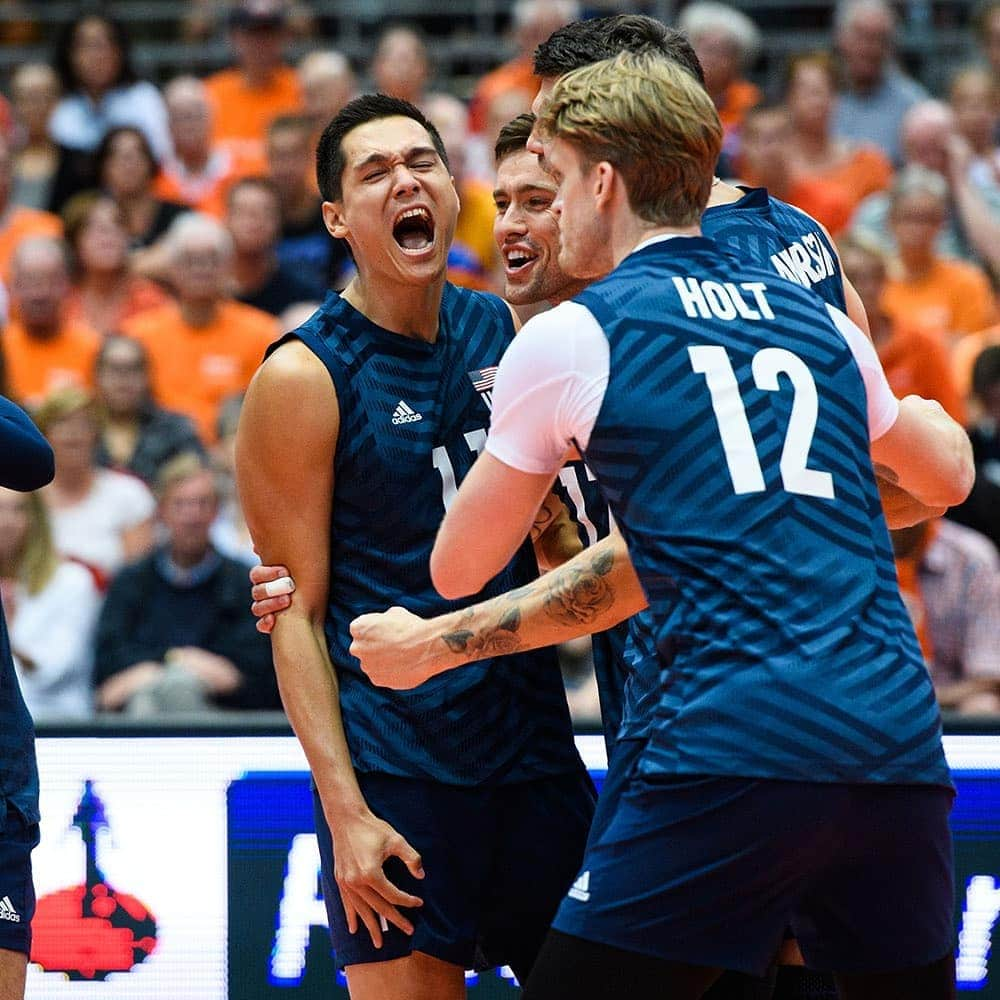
[{"x": 90, "y": 930}]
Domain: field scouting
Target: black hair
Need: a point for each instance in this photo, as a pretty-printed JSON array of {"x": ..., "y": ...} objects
[
  {"x": 367, "y": 108},
  {"x": 986, "y": 371},
  {"x": 62, "y": 59},
  {"x": 513, "y": 137},
  {"x": 103, "y": 150},
  {"x": 583, "y": 43}
]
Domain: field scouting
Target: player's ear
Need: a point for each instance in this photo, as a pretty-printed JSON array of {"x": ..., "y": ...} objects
[
  {"x": 604, "y": 177},
  {"x": 333, "y": 217}
]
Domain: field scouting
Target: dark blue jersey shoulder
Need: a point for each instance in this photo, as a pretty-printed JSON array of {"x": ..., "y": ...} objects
[
  {"x": 771, "y": 233},
  {"x": 413, "y": 418}
]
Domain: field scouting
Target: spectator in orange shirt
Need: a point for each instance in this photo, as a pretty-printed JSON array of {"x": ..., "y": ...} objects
[
  {"x": 944, "y": 297},
  {"x": 765, "y": 162},
  {"x": 327, "y": 83},
  {"x": 856, "y": 169},
  {"x": 401, "y": 66},
  {"x": 965, "y": 353},
  {"x": 18, "y": 223},
  {"x": 305, "y": 245},
  {"x": 915, "y": 362},
  {"x": 43, "y": 349},
  {"x": 105, "y": 291},
  {"x": 206, "y": 346},
  {"x": 248, "y": 97},
  {"x": 727, "y": 43},
  {"x": 532, "y": 22},
  {"x": 198, "y": 174}
]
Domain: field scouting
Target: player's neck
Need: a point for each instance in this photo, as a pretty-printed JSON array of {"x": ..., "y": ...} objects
[
  {"x": 631, "y": 233},
  {"x": 723, "y": 194},
  {"x": 409, "y": 310}
]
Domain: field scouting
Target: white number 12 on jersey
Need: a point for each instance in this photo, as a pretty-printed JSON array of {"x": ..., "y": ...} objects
[{"x": 734, "y": 428}]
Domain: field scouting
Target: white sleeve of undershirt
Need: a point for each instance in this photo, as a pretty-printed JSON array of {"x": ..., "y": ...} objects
[
  {"x": 883, "y": 407},
  {"x": 549, "y": 389}
]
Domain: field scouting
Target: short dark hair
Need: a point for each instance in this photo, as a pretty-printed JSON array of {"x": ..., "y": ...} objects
[
  {"x": 63, "y": 61},
  {"x": 367, "y": 108},
  {"x": 103, "y": 151},
  {"x": 253, "y": 181},
  {"x": 513, "y": 137},
  {"x": 986, "y": 371},
  {"x": 583, "y": 43}
]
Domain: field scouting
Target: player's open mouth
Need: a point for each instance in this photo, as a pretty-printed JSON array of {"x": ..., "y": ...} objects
[
  {"x": 518, "y": 260},
  {"x": 413, "y": 230}
]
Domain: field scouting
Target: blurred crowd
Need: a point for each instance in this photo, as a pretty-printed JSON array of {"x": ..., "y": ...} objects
[{"x": 157, "y": 236}]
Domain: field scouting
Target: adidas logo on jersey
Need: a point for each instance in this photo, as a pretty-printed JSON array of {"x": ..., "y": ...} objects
[
  {"x": 7, "y": 911},
  {"x": 580, "y": 889},
  {"x": 404, "y": 414}
]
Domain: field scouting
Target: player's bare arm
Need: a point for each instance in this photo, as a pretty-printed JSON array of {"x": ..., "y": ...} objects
[
  {"x": 928, "y": 452},
  {"x": 595, "y": 590},
  {"x": 287, "y": 506}
]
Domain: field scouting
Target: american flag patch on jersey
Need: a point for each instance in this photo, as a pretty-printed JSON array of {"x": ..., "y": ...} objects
[{"x": 482, "y": 382}]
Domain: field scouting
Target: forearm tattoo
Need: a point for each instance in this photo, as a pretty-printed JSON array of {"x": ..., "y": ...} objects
[
  {"x": 572, "y": 596},
  {"x": 545, "y": 516},
  {"x": 579, "y": 596}
]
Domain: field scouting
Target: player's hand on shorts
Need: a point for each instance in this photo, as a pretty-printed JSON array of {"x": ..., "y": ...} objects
[
  {"x": 271, "y": 591},
  {"x": 388, "y": 646},
  {"x": 361, "y": 846}
]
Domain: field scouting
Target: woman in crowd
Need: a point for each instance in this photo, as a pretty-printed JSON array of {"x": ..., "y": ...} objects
[
  {"x": 136, "y": 436},
  {"x": 100, "y": 516},
  {"x": 942, "y": 296},
  {"x": 51, "y": 606},
  {"x": 126, "y": 170},
  {"x": 810, "y": 92},
  {"x": 100, "y": 87},
  {"x": 105, "y": 291}
]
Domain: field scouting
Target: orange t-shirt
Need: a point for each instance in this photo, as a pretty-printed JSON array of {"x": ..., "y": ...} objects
[
  {"x": 19, "y": 224},
  {"x": 867, "y": 171},
  {"x": 916, "y": 362},
  {"x": 825, "y": 202},
  {"x": 954, "y": 297},
  {"x": 194, "y": 369},
  {"x": 36, "y": 366},
  {"x": 207, "y": 191},
  {"x": 141, "y": 294},
  {"x": 241, "y": 114},
  {"x": 739, "y": 98},
  {"x": 518, "y": 74},
  {"x": 965, "y": 353}
]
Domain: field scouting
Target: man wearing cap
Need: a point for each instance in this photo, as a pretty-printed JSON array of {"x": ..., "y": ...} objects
[{"x": 247, "y": 97}]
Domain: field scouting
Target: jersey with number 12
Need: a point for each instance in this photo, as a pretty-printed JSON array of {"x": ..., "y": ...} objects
[{"x": 732, "y": 444}]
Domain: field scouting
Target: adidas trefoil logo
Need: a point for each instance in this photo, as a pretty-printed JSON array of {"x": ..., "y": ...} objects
[
  {"x": 580, "y": 889},
  {"x": 405, "y": 414},
  {"x": 7, "y": 911}
]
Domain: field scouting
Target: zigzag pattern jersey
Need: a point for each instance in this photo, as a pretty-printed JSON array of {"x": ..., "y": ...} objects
[
  {"x": 412, "y": 422},
  {"x": 773, "y": 234},
  {"x": 735, "y": 456},
  {"x": 768, "y": 233}
]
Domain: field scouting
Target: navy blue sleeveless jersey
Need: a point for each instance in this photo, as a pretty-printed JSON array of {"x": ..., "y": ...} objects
[
  {"x": 769, "y": 233},
  {"x": 732, "y": 446},
  {"x": 773, "y": 234},
  {"x": 413, "y": 417},
  {"x": 26, "y": 463},
  {"x": 578, "y": 490}
]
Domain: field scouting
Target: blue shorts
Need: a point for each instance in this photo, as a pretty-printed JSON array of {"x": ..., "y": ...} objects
[
  {"x": 497, "y": 862},
  {"x": 710, "y": 871},
  {"x": 17, "y": 892}
]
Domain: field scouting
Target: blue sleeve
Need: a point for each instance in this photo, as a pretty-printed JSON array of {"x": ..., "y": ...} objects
[{"x": 26, "y": 461}]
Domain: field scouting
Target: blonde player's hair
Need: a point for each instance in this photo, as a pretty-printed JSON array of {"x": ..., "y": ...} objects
[{"x": 652, "y": 121}]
